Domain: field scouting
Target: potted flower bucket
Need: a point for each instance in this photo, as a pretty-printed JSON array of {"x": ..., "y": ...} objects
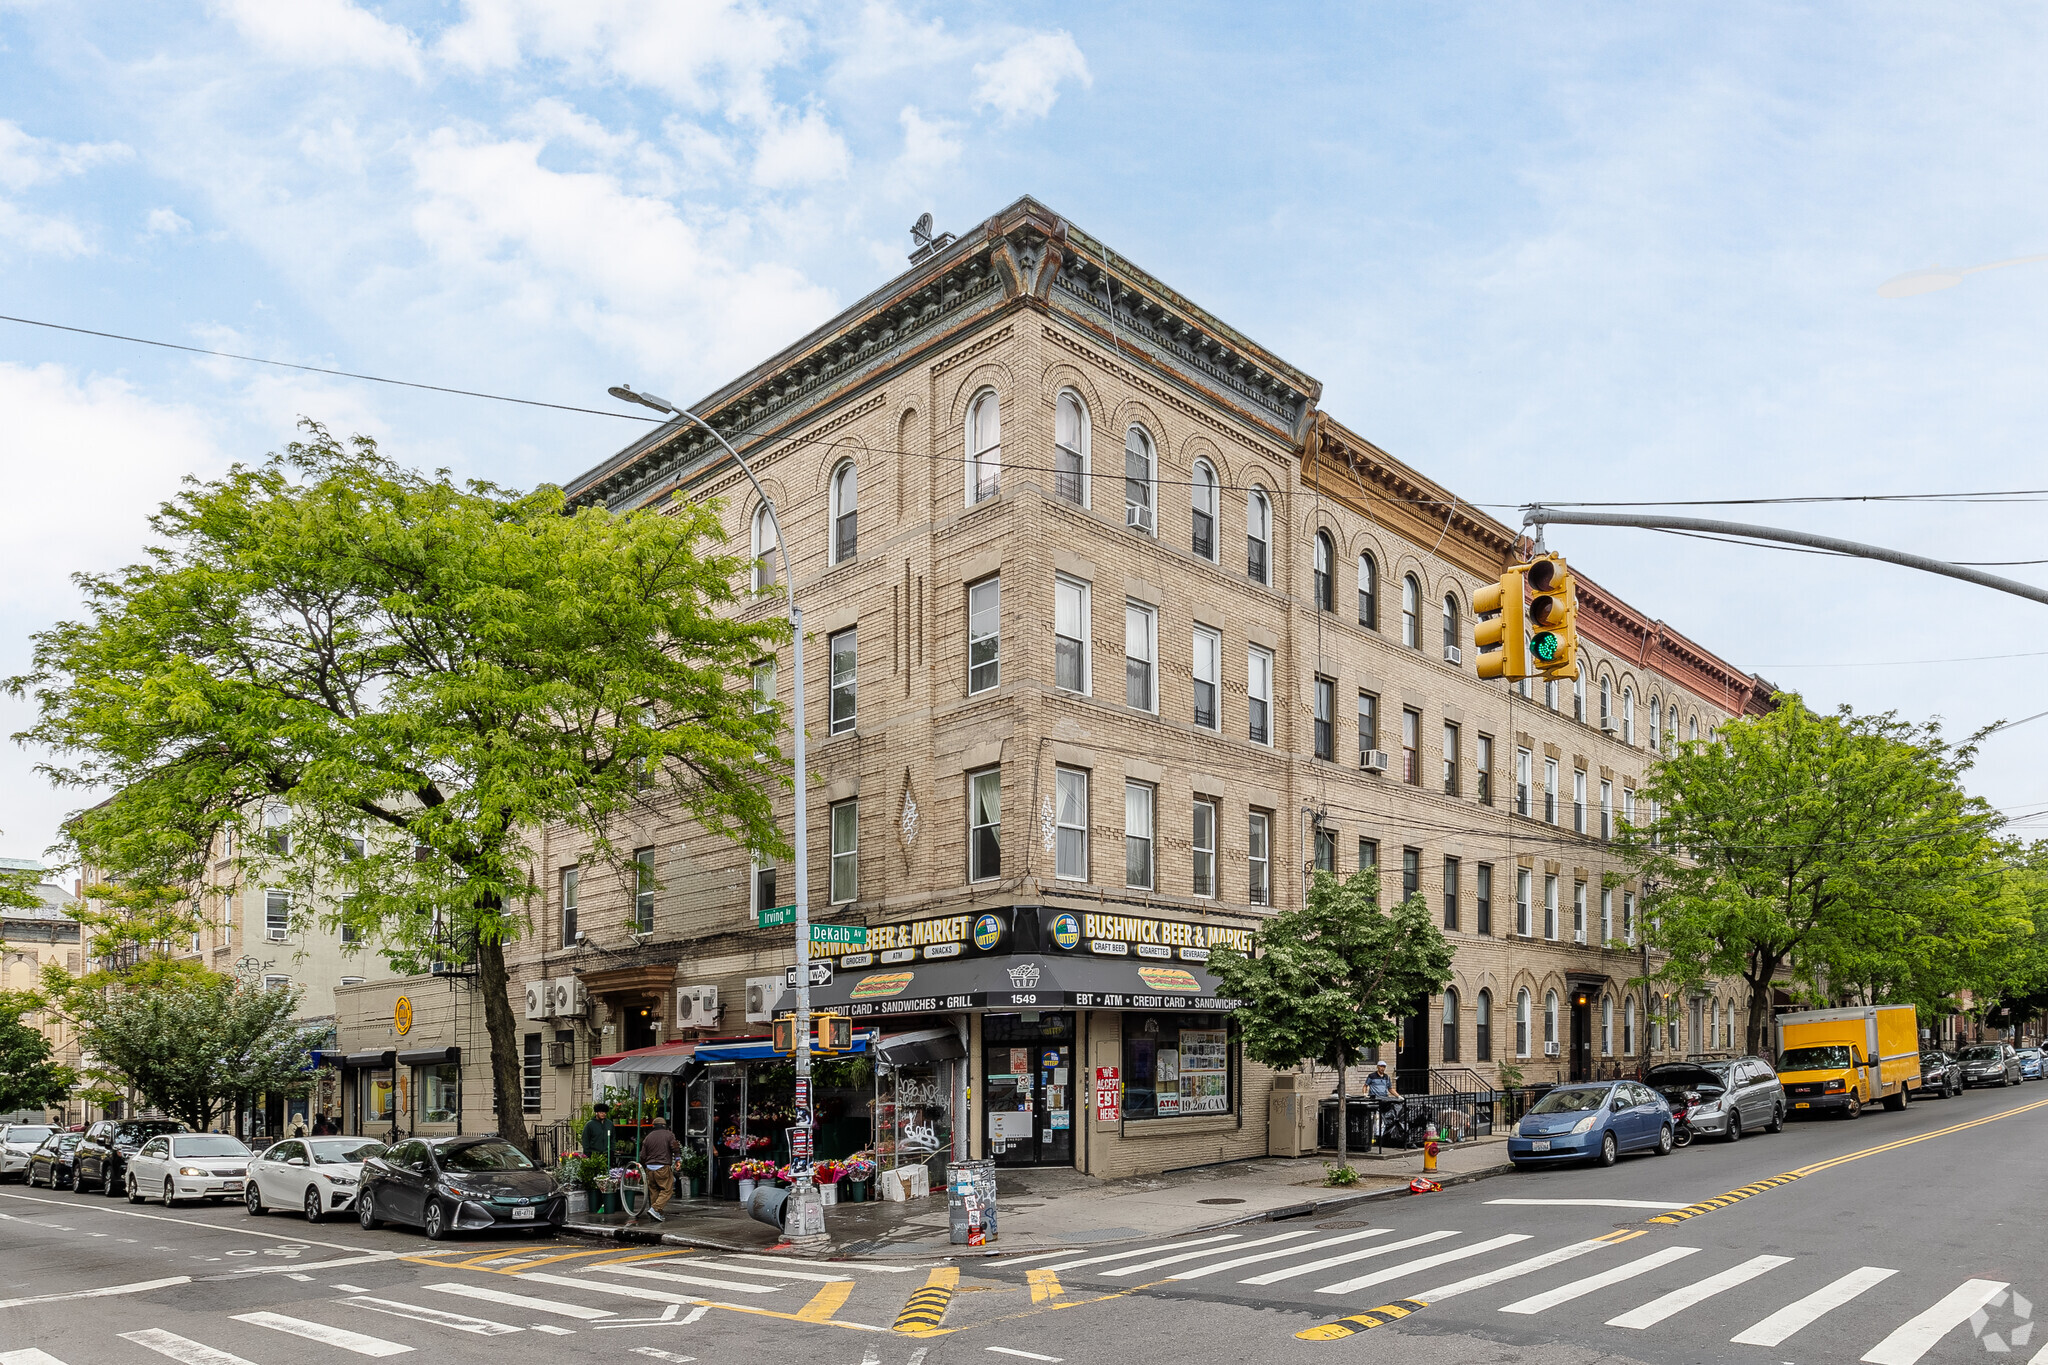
[
  {"x": 746, "y": 1190},
  {"x": 828, "y": 1193},
  {"x": 579, "y": 1203},
  {"x": 856, "y": 1191}
]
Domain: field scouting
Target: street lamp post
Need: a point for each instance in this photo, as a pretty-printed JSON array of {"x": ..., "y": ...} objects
[{"x": 808, "y": 1222}]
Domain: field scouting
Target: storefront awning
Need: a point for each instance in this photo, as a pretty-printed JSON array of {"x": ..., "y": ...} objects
[
  {"x": 920, "y": 1045},
  {"x": 1022, "y": 982},
  {"x": 383, "y": 1060},
  {"x": 663, "y": 1059},
  {"x": 430, "y": 1056}
]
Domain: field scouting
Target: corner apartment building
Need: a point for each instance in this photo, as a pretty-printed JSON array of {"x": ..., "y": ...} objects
[
  {"x": 1113, "y": 638},
  {"x": 32, "y": 938}
]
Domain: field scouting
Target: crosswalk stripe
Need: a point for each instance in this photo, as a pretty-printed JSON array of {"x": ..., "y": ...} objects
[
  {"x": 327, "y": 1336},
  {"x": 1129, "y": 1252},
  {"x": 1393, "y": 1272},
  {"x": 1143, "y": 1266},
  {"x": 850, "y": 1265},
  {"x": 660, "y": 1354},
  {"x": 461, "y": 1322},
  {"x": 539, "y": 1305},
  {"x": 1220, "y": 1266},
  {"x": 184, "y": 1350},
  {"x": 29, "y": 1355},
  {"x": 1803, "y": 1312},
  {"x": 1290, "y": 1272},
  {"x": 1678, "y": 1300},
  {"x": 624, "y": 1291},
  {"x": 1913, "y": 1339},
  {"x": 1513, "y": 1272},
  {"x": 705, "y": 1281},
  {"x": 778, "y": 1272},
  {"x": 1580, "y": 1288}
]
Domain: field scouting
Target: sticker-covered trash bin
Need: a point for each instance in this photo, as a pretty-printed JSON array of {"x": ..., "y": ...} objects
[{"x": 971, "y": 1202}]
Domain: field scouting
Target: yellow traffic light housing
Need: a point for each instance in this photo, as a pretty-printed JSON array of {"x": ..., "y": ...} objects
[
  {"x": 1499, "y": 636},
  {"x": 1553, "y": 618},
  {"x": 782, "y": 1034},
  {"x": 835, "y": 1034}
]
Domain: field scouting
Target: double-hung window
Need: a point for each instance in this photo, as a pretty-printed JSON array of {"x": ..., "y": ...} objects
[
  {"x": 1523, "y": 762},
  {"x": 1141, "y": 653},
  {"x": 844, "y": 651},
  {"x": 1411, "y": 612},
  {"x": 1368, "y": 725},
  {"x": 764, "y": 546},
  {"x": 984, "y": 448},
  {"x": 1482, "y": 899},
  {"x": 1258, "y": 536},
  {"x": 1411, "y": 872},
  {"x": 985, "y": 824},
  {"x": 1070, "y": 634},
  {"x": 1450, "y": 758},
  {"x": 1628, "y": 918},
  {"x": 1070, "y": 449},
  {"x": 845, "y": 512},
  {"x": 1450, "y": 625},
  {"x": 1411, "y": 747},
  {"x": 1522, "y": 875},
  {"x": 1070, "y": 860},
  {"x": 1138, "y": 799},
  {"x": 277, "y": 915},
  {"x": 1606, "y": 808},
  {"x": 1579, "y": 800},
  {"x": 1325, "y": 572},
  {"x": 845, "y": 884},
  {"x": 1483, "y": 758},
  {"x": 1202, "y": 510},
  {"x": 1368, "y": 592},
  {"x": 572, "y": 887},
  {"x": 1578, "y": 912},
  {"x": 1368, "y": 853},
  {"x": 1450, "y": 893},
  {"x": 1326, "y": 723},
  {"x": 764, "y": 888},
  {"x": 1326, "y": 850},
  {"x": 1259, "y": 693},
  {"x": 1606, "y": 915},
  {"x": 1550, "y": 790},
  {"x": 984, "y": 635},
  {"x": 1550, "y": 906},
  {"x": 1259, "y": 858},
  {"x": 1139, "y": 487},
  {"x": 1208, "y": 673},
  {"x": 1203, "y": 845},
  {"x": 643, "y": 890}
]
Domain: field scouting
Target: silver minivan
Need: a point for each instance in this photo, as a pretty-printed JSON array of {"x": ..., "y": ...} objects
[{"x": 1737, "y": 1096}]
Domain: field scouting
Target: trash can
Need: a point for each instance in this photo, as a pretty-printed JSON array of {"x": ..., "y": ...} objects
[
  {"x": 769, "y": 1204},
  {"x": 971, "y": 1202}
]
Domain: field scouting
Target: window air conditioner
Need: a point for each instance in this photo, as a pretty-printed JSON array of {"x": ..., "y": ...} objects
[
  {"x": 1550, "y": 1049},
  {"x": 1138, "y": 518},
  {"x": 536, "y": 999},
  {"x": 567, "y": 999},
  {"x": 696, "y": 1006},
  {"x": 764, "y": 993},
  {"x": 1453, "y": 654},
  {"x": 274, "y": 935},
  {"x": 1607, "y": 727},
  {"x": 1374, "y": 760},
  {"x": 442, "y": 969},
  {"x": 561, "y": 1054}
]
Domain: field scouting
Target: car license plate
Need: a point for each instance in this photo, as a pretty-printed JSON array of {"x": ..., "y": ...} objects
[
  {"x": 523, "y": 1213},
  {"x": 234, "y": 1185},
  {"x": 1802, "y": 1105},
  {"x": 1540, "y": 1145}
]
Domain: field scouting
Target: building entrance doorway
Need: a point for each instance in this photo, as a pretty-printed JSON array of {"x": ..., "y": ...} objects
[{"x": 1028, "y": 1088}]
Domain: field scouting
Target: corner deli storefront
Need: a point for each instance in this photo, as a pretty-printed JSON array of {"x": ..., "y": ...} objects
[{"x": 1084, "y": 1031}]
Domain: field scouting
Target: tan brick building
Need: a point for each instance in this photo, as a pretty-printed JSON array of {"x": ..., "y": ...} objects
[{"x": 1113, "y": 635}]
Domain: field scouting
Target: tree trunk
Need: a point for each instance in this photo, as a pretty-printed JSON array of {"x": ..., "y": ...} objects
[
  {"x": 1343, "y": 1118},
  {"x": 1759, "y": 1027},
  {"x": 507, "y": 1082}
]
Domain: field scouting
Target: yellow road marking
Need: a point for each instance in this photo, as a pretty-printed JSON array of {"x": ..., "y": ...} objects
[
  {"x": 829, "y": 1299},
  {"x": 926, "y": 1308},
  {"x": 1045, "y": 1284},
  {"x": 1691, "y": 1211},
  {"x": 640, "y": 1256},
  {"x": 1360, "y": 1322}
]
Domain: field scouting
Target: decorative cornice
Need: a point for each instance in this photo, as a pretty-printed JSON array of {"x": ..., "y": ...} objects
[{"x": 1348, "y": 469}]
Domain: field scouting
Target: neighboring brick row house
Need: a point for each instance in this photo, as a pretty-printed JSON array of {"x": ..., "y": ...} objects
[{"x": 1114, "y": 636}]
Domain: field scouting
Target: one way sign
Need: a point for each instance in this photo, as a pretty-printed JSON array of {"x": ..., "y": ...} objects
[{"x": 821, "y": 973}]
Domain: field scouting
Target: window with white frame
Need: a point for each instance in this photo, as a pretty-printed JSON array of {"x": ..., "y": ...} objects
[
  {"x": 1606, "y": 914},
  {"x": 764, "y": 686},
  {"x": 1450, "y": 758},
  {"x": 1411, "y": 747},
  {"x": 1070, "y": 857},
  {"x": 1368, "y": 592},
  {"x": 762, "y": 879},
  {"x": 843, "y": 651},
  {"x": 1524, "y": 762},
  {"x": 1670, "y": 737},
  {"x": 1549, "y": 1022},
  {"x": 1411, "y": 612},
  {"x": 1202, "y": 844},
  {"x": 984, "y": 448},
  {"x": 1208, "y": 674},
  {"x": 1628, "y": 715},
  {"x": 1258, "y": 536},
  {"x": 1522, "y": 1021},
  {"x": 1202, "y": 511},
  {"x": 1070, "y": 449},
  {"x": 1482, "y": 1026},
  {"x": 1550, "y": 693},
  {"x": 572, "y": 894},
  {"x": 1368, "y": 725},
  {"x": 643, "y": 889},
  {"x": 1579, "y": 698},
  {"x": 1650, "y": 738},
  {"x": 1070, "y": 634},
  {"x": 984, "y": 635},
  {"x": 1606, "y": 808},
  {"x": 1258, "y": 858},
  {"x": 1140, "y": 480},
  {"x": 1550, "y": 790},
  {"x": 1138, "y": 798},
  {"x": 275, "y": 982},
  {"x": 1578, "y": 912},
  {"x": 1141, "y": 656},
  {"x": 1259, "y": 693},
  {"x": 1451, "y": 636},
  {"x": 1522, "y": 884},
  {"x": 1628, "y": 1026},
  {"x": 1325, "y": 572},
  {"x": 985, "y": 824},
  {"x": 1578, "y": 800},
  {"x": 845, "y": 512},
  {"x": 1326, "y": 719},
  {"x": 1628, "y": 806},
  {"x": 845, "y": 852},
  {"x": 277, "y": 915},
  {"x": 1606, "y": 702},
  {"x": 1606, "y": 1026},
  {"x": 763, "y": 547},
  {"x": 1550, "y": 906},
  {"x": 1628, "y": 918}
]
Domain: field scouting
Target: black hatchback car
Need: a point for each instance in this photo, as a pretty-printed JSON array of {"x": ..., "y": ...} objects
[
  {"x": 448, "y": 1185},
  {"x": 50, "y": 1164},
  {"x": 102, "y": 1158}
]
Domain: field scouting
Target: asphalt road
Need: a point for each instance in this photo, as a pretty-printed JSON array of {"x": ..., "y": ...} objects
[{"x": 1896, "y": 1227}]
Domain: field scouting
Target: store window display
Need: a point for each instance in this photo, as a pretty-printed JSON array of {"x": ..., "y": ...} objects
[{"x": 1176, "y": 1066}]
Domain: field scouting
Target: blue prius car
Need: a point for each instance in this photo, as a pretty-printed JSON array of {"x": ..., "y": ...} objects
[{"x": 1596, "y": 1122}]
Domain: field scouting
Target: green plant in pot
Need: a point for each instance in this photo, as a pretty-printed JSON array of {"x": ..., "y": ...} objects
[{"x": 693, "y": 1166}]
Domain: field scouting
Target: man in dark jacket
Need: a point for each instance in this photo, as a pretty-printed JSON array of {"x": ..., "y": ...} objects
[
  {"x": 659, "y": 1151},
  {"x": 597, "y": 1133}
]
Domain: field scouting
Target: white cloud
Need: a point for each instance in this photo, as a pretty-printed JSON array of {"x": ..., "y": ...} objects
[
  {"x": 1024, "y": 81},
  {"x": 800, "y": 151},
  {"x": 928, "y": 144},
  {"x": 165, "y": 222},
  {"x": 27, "y": 161},
  {"x": 323, "y": 33}
]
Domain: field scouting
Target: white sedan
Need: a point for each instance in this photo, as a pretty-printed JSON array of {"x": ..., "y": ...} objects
[
  {"x": 175, "y": 1166},
  {"x": 17, "y": 1140},
  {"x": 317, "y": 1176}
]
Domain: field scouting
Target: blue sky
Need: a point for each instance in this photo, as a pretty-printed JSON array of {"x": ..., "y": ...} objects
[{"x": 1541, "y": 251}]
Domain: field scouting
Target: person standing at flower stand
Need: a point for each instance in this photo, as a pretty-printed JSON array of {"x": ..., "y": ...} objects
[
  {"x": 597, "y": 1133},
  {"x": 659, "y": 1151}
]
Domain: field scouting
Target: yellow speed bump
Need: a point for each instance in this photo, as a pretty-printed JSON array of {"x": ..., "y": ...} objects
[
  {"x": 926, "y": 1309},
  {"x": 1360, "y": 1322}
]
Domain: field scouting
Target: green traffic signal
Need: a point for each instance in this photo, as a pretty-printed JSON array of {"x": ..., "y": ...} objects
[{"x": 1544, "y": 645}]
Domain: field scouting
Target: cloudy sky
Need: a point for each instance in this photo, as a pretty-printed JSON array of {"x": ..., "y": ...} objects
[{"x": 1597, "y": 253}]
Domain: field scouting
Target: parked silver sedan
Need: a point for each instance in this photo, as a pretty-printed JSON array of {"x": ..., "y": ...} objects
[
  {"x": 178, "y": 1166},
  {"x": 1739, "y": 1096},
  {"x": 18, "y": 1141},
  {"x": 314, "y": 1175}
]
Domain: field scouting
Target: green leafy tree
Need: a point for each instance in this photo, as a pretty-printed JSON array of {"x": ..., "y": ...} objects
[
  {"x": 1333, "y": 977},
  {"x": 404, "y": 680},
  {"x": 28, "y": 1078},
  {"x": 1839, "y": 850},
  {"x": 199, "y": 1049}
]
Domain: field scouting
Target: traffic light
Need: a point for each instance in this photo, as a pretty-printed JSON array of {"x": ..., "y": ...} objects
[
  {"x": 1553, "y": 616},
  {"x": 835, "y": 1034},
  {"x": 782, "y": 1034},
  {"x": 1499, "y": 636}
]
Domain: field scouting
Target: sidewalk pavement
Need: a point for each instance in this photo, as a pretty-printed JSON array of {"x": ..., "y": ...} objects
[{"x": 1054, "y": 1208}]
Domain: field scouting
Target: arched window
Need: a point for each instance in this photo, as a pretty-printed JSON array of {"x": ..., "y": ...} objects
[
  {"x": 1606, "y": 1026},
  {"x": 1450, "y": 624},
  {"x": 1258, "y": 535},
  {"x": 1670, "y": 738},
  {"x": 1522, "y": 1022},
  {"x": 1579, "y": 697},
  {"x": 1628, "y": 715},
  {"x": 1411, "y": 612},
  {"x": 1651, "y": 738},
  {"x": 1549, "y": 1022},
  {"x": 1139, "y": 478},
  {"x": 1202, "y": 505},
  {"x": 984, "y": 448},
  {"x": 1692, "y": 729},
  {"x": 1451, "y": 1024},
  {"x": 1070, "y": 449},
  {"x": 1671, "y": 1022},
  {"x": 764, "y": 547},
  {"x": 1606, "y": 702},
  {"x": 1326, "y": 571},
  {"x": 1482, "y": 1032},
  {"x": 1628, "y": 1026},
  {"x": 1368, "y": 592},
  {"x": 845, "y": 511}
]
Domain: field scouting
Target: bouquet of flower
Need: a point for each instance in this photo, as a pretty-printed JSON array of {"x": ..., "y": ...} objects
[
  {"x": 827, "y": 1172},
  {"x": 735, "y": 1141},
  {"x": 754, "y": 1170},
  {"x": 859, "y": 1166}
]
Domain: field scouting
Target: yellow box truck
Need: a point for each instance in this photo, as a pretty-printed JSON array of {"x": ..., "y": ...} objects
[{"x": 1842, "y": 1060}]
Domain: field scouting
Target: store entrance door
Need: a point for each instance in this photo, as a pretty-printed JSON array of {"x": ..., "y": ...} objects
[{"x": 1028, "y": 1088}]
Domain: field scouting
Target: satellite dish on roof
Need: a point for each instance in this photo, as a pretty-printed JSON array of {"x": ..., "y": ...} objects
[{"x": 921, "y": 230}]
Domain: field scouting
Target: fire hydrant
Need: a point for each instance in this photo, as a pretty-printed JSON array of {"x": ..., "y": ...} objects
[{"x": 1429, "y": 1148}]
